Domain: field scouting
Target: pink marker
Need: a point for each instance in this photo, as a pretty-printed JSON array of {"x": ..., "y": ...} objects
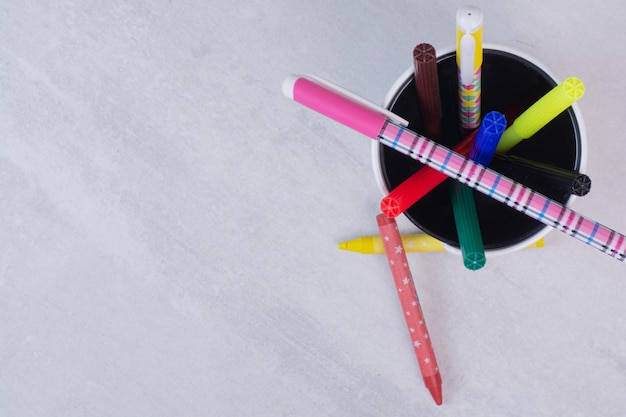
[
  {"x": 376, "y": 123},
  {"x": 410, "y": 305}
]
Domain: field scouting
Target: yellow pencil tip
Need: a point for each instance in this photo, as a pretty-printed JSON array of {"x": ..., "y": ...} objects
[{"x": 343, "y": 245}]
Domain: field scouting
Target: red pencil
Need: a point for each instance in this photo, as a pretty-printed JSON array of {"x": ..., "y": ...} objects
[{"x": 410, "y": 305}]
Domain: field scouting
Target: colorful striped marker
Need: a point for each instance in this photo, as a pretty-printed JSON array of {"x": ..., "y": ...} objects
[{"x": 469, "y": 59}]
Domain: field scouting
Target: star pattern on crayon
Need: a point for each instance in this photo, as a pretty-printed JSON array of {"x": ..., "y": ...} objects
[{"x": 409, "y": 301}]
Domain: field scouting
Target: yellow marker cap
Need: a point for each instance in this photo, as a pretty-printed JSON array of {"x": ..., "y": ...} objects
[
  {"x": 541, "y": 113},
  {"x": 469, "y": 37}
]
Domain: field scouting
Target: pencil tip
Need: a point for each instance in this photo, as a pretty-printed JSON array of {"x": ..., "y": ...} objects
[
  {"x": 437, "y": 394},
  {"x": 343, "y": 245},
  {"x": 433, "y": 383}
]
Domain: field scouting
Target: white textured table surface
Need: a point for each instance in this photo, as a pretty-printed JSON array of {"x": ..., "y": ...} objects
[{"x": 169, "y": 221}]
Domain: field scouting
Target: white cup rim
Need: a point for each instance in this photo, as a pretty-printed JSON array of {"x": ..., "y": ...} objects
[{"x": 401, "y": 80}]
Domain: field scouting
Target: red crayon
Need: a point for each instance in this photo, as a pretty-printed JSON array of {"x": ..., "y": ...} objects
[{"x": 410, "y": 305}]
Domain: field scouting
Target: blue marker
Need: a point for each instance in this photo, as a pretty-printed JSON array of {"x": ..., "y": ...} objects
[{"x": 487, "y": 138}]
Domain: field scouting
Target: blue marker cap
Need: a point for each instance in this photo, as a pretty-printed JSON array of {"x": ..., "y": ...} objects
[{"x": 487, "y": 138}]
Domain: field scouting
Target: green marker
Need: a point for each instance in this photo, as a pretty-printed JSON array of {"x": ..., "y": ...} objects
[
  {"x": 467, "y": 227},
  {"x": 462, "y": 196}
]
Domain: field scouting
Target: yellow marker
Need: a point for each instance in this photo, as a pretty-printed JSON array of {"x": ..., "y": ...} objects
[
  {"x": 543, "y": 111},
  {"x": 412, "y": 243},
  {"x": 469, "y": 61}
]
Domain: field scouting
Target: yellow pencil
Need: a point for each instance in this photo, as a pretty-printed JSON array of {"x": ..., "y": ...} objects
[{"x": 412, "y": 243}]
